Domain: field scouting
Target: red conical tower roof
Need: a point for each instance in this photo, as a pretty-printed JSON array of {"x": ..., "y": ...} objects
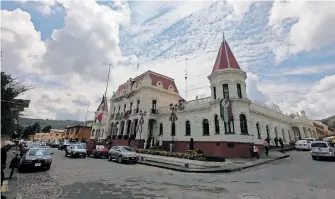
[{"x": 225, "y": 58}]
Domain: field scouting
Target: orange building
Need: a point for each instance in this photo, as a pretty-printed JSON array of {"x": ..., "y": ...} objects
[
  {"x": 323, "y": 130},
  {"x": 56, "y": 134},
  {"x": 77, "y": 132}
]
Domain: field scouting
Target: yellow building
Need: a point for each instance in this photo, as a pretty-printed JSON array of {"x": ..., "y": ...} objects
[
  {"x": 56, "y": 134},
  {"x": 42, "y": 136}
]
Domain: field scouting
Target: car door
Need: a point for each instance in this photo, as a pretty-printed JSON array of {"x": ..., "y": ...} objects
[{"x": 113, "y": 151}]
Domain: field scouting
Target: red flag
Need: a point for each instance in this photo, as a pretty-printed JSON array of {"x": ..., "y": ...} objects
[{"x": 103, "y": 107}]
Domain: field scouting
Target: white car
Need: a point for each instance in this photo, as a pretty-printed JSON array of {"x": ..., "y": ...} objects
[
  {"x": 75, "y": 150},
  {"x": 123, "y": 154},
  {"x": 322, "y": 149},
  {"x": 304, "y": 144}
]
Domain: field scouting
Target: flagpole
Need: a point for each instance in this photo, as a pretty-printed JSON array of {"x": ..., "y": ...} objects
[{"x": 109, "y": 69}]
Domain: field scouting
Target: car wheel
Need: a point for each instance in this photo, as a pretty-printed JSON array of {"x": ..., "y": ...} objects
[
  {"x": 71, "y": 155},
  {"x": 84, "y": 156},
  {"x": 109, "y": 157},
  {"x": 314, "y": 158},
  {"x": 119, "y": 159},
  {"x": 48, "y": 167}
]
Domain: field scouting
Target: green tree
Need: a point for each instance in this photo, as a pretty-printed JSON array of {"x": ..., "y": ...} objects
[
  {"x": 10, "y": 110},
  {"x": 47, "y": 129}
]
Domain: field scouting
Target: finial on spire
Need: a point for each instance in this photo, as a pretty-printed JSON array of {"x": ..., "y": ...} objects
[{"x": 223, "y": 38}]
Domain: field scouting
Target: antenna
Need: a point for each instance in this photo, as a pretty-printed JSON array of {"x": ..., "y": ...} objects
[
  {"x": 138, "y": 64},
  {"x": 186, "y": 79}
]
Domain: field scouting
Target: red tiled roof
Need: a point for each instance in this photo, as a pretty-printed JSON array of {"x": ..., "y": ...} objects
[
  {"x": 221, "y": 59},
  {"x": 155, "y": 77}
]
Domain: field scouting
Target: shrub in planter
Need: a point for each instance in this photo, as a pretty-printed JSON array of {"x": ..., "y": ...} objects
[
  {"x": 125, "y": 137},
  {"x": 199, "y": 151},
  {"x": 119, "y": 136},
  {"x": 113, "y": 136},
  {"x": 158, "y": 148},
  {"x": 132, "y": 137}
]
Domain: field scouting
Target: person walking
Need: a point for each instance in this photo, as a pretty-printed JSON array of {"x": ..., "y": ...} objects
[
  {"x": 256, "y": 151},
  {"x": 14, "y": 164},
  {"x": 251, "y": 150},
  {"x": 281, "y": 143},
  {"x": 266, "y": 147},
  {"x": 4, "y": 149},
  {"x": 276, "y": 141}
]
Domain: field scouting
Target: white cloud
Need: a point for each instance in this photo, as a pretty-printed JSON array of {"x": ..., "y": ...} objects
[
  {"x": 20, "y": 43},
  {"x": 319, "y": 103},
  {"x": 313, "y": 30},
  {"x": 253, "y": 91}
]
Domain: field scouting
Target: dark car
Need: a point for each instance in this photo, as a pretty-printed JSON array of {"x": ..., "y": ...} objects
[
  {"x": 63, "y": 145},
  {"x": 55, "y": 144},
  {"x": 27, "y": 146},
  {"x": 36, "y": 158}
]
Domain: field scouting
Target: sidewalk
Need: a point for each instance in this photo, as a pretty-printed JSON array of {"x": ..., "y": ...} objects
[
  {"x": 9, "y": 187},
  {"x": 194, "y": 166}
]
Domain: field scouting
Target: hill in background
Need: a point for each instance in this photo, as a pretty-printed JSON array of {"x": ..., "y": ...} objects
[
  {"x": 56, "y": 124},
  {"x": 330, "y": 121}
]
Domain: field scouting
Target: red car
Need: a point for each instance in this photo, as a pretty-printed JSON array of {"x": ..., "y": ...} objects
[{"x": 100, "y": 151}]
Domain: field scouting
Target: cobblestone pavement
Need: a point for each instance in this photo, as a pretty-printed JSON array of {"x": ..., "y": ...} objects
[{"x": 295, "y": 177}]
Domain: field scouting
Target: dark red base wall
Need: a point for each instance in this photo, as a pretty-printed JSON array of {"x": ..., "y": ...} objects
[{"x": 221, "y": 149}]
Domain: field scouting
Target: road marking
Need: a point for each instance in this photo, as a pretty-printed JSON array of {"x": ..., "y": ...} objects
[{"x": 4, "y": 186}]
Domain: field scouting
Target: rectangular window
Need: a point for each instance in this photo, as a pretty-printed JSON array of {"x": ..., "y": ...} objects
[
  {"x": 131, "y": 105},
  {"x": 214, "y": 92},
  {"x": 239, "y": 93},
  {"x": 154, "y": 102},
  {"x": 225, "y": 91},
  {"x": 138, "y": 104},
  {"x": 124, "y": 108}
]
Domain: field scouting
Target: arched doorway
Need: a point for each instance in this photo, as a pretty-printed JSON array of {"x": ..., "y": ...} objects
[{"x": 296, "y": 133}]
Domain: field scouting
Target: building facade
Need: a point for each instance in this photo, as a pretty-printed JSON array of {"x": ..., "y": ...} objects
[
  {"x": 223, "y": 124},
  {"x": 79, "y": 132},
  {"x": 323, "y": 130},
  {"x": 56, "y": 134},
  {"x": 42, "y": 136}
]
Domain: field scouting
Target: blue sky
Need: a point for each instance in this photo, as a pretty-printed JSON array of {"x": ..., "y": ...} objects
[{"x": 276, "y": 48}]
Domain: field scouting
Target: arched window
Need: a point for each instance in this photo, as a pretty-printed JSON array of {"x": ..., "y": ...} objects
[
  {"x": 93, "y": 130},
  {"x": 268, "y": 131},
  {"x": 283, "y": 134},
  {"x": 161, "y": 129},
  {"x": 276, "y": 132},
  {"x": 187, "y": 128},
  {"x": 103, "y": 131},
  {"x": 243, "y": 124},
  {"x": 217, "y": 124},
  {"x": 205, "y": 127},
  {"x": 173, "y": 129},
  {"x": 258, "y": 131}
]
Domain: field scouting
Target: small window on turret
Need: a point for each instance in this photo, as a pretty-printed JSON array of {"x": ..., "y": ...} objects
[
  {"x": 225, "y": 91},
  {"x": 214, "y": 92},
  {"x": 239, "y": 93}
]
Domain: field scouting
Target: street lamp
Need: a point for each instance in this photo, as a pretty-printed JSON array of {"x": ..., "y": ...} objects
[
  {"x": 142, "y": 113},
  {"x": 173, "y": 118}
]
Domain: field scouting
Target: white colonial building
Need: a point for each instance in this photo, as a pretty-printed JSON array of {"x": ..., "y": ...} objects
[{"x": 222, "y": 124}]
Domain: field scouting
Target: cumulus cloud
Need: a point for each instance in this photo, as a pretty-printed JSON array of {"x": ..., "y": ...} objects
[
  {"x": 319, "y": 103},
  {"x": 313, "y": 29},
  {"x": 253, "y": 91}
]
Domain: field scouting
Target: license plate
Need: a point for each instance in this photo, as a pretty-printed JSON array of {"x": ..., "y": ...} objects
[{"x": 37, "y": 164}]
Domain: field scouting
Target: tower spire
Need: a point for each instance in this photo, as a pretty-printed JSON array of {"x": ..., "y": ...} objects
[{"x": 225, "y": 48}]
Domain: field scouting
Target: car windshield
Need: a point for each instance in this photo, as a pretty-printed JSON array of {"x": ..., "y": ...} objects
[
  {"x": 319, "y": 144},
  {"x": 32, "y": 145},
  {"x": 126, "y": 149},
  {"x": 38, "y": 152},
  {"x": 77, "y": 146}
]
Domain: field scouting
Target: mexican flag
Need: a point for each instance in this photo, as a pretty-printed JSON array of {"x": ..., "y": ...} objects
[{"x": 103, "y": 108}]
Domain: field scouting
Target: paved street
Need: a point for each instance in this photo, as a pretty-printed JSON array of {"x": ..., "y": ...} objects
[{"x": 295, "y": 177}]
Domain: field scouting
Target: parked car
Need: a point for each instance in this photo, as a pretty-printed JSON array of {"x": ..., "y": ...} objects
[
  {"x": 27, "y": 146},
  {"x": 304, "y": 144},
  {"x": 75, "y": 150},
  {"x": 100, "y": 151},
  {"x": 321, "y": 149},
  {"x": 63, "y": 145},
  {"x": 36, "y": 158},
  {"x": 91, "y": 145},
  {"x": 55, "y": 144},
  {"x": 123, "y": 154}
]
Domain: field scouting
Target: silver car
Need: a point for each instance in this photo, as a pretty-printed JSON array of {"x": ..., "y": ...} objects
[
  {"x": 123, "y": 154},
  {"x": 75, "y": 150},
  {"x": 322, "y": 149}
]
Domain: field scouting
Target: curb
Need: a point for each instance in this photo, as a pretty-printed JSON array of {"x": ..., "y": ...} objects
[{"x": 211, "y": 170}]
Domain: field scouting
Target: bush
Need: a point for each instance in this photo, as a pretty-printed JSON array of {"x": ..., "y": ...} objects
[
  {"x": 199, "y": 151},
  {"x": 158, "y": 148},
  {"x": 119, "y": 136},
  {"x": 191, "y": 155},
  {"x": 125, "y": 137}
]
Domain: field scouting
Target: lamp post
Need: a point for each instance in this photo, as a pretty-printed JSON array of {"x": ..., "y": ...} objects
[
  {"x": 142, "y": 114},
  {"x": 173, "y": 118}
]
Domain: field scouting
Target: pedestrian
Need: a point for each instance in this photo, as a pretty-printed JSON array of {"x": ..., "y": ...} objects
[
  {"x": 171, "y": 147},
  {"x": 256, "y": 151},
  {"x": 4, "y": 149},
  {"x": 191, "y": 146},
  {"x": 276, "y": 141},
  {"x": 251, "y": 150},
  {"x": 266, "y": 147},
  {"x": 14, "y": 164},
  {"x": 281, "y": 143}
]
